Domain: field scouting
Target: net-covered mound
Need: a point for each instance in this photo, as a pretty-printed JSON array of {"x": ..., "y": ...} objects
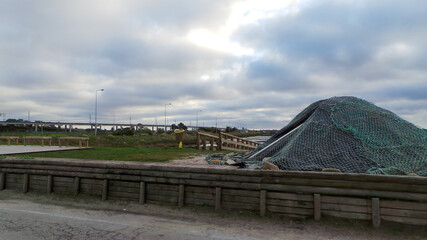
[{"x": 348, "y": 134}]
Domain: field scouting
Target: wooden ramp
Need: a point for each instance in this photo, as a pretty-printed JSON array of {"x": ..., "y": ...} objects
[{"x": 224, "y": 141}]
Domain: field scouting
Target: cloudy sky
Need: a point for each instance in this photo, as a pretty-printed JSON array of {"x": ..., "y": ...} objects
[{"x": 246, "y": 63}]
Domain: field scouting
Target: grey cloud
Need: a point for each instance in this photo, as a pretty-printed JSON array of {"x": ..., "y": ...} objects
[{"x": 137, "y": 51}]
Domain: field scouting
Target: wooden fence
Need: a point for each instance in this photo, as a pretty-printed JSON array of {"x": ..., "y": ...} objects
[
  {"x": 294, "y": 194},
  {"x": 224, "y": 141}
]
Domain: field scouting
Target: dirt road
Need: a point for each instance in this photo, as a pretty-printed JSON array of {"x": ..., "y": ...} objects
[{"x": 32, "y": 216}]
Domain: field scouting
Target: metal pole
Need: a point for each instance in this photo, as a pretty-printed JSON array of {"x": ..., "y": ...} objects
[
  {"x": 96, "y": 109},
  {"x": 165, "y": 114},
  {"x": 216, "y": 124},
  {"x": 197, "y": 119}
]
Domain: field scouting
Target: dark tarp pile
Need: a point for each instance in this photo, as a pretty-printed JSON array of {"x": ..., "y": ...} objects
[{"x": 348, "y": 134}]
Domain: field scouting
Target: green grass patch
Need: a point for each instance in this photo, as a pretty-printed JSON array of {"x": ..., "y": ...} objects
[{"x": 143, "y": 154}]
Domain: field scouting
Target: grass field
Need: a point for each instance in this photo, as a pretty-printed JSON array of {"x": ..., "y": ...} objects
[
  {"x": 144, "y": 154},
  {"x": 141, "y": 147}
]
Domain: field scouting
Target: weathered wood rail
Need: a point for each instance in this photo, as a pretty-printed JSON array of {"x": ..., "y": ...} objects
[
  {"x": 294, "y": 194},
  {"x": 224, "y": 141},
  {"x": 9, "y": 139}
]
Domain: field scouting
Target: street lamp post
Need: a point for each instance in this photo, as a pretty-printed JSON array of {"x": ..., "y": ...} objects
[
  {"x": 96, "y": 109},
  {"x": 197, "y": 119},
  {"x": 216, "y": 124},
  {"x": 167, "y": 104}
]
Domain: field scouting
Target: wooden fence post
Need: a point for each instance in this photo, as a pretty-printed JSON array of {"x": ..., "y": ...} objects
[
  {"x": 376, "y": 215},
  {"x": 181, "y": 195},
  {"x": 142, "y": 187},
  {"x": 105, "y": 190},
  {"x": 317, "y": 207},
  {"x": 217, "y": 198},
  {"x": 212, "y": 144},
  {"x": 2, "y": 180},
  {"x": 49, "y": 184},
  {"x": 262, "y": 202},
  {"x": 25, "y": 183},
  {"x": 76, "y": 186}
]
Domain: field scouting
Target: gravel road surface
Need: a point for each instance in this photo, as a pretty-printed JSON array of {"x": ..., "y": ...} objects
[{"x": 33, "y": 216}]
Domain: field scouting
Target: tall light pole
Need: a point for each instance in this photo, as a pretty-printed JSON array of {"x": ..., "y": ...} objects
[
  {"x": 96, "y": 108},
  {"x": 167, "y": 104},
  {"x": 216, "y": 124},
  {"x": 197, "y": 119}
]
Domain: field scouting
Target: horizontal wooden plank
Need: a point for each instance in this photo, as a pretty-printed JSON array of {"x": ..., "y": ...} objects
[
  {"x": 416, "y": 188},
  {"x": 162, "y": 198},
  {"x": 345, "y": 208},
  {"x": 290, "y": 210},
  {"x": 236, "y": 192},
  {"x": 91, "y": 181},
  {"x": 289, "y": 203},
  {"x": 236, "y": 205},
  {"x": 37, "y": 187},
  {"x": 38, "y": 177},
  {"x": 37, "y": 180},
  {"x": 404, "y": 205},
  {"x": 14, "y": 186},
  {"x": 161, "y": 192},
  {"x": 199, "y": 202},
  {"x": 346, "y": 191},
  {"x": 414, "y": 221},
  {"x": 346, "y": 200},
  {"x": 199, "y": 195},
  {"x": 240, "y": 144},
  {"x": 232, "y": 149},
  {"x": 123, "y": 194},
  {"x": 124, "y": 184},
  {"x": 208, "y": 135},
  {"x": 90, "y": 186},
  {"x": 403, "y": 213},
  {"x": 90, "y": 189},
  {"x": 348, "y": 215},
  {"x": 58, "y": 183},
  {"x": 90, "y": 193},
  {"x": 240, "y": 199},
  {"x": 123, "y": 189},
  {"x": 289, "y": 196},
  {"x": 63, "y": 179},
  {"x": 14, "y": 178},
  {"x": 194, "y": 189},
  {"x": 63, "y": 190},
  {"x": 162, "y": 187}
]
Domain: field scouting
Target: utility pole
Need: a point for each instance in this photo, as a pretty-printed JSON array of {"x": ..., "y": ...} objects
[
  {"x": 168, "y": 104},
  {"x": 216, "y": 124},
  {"x": 197, "y": 119},
  {"x": 96, "y": 109}
]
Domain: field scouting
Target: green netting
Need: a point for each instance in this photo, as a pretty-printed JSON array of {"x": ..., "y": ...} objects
[{"x": 348, "y": 134}]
